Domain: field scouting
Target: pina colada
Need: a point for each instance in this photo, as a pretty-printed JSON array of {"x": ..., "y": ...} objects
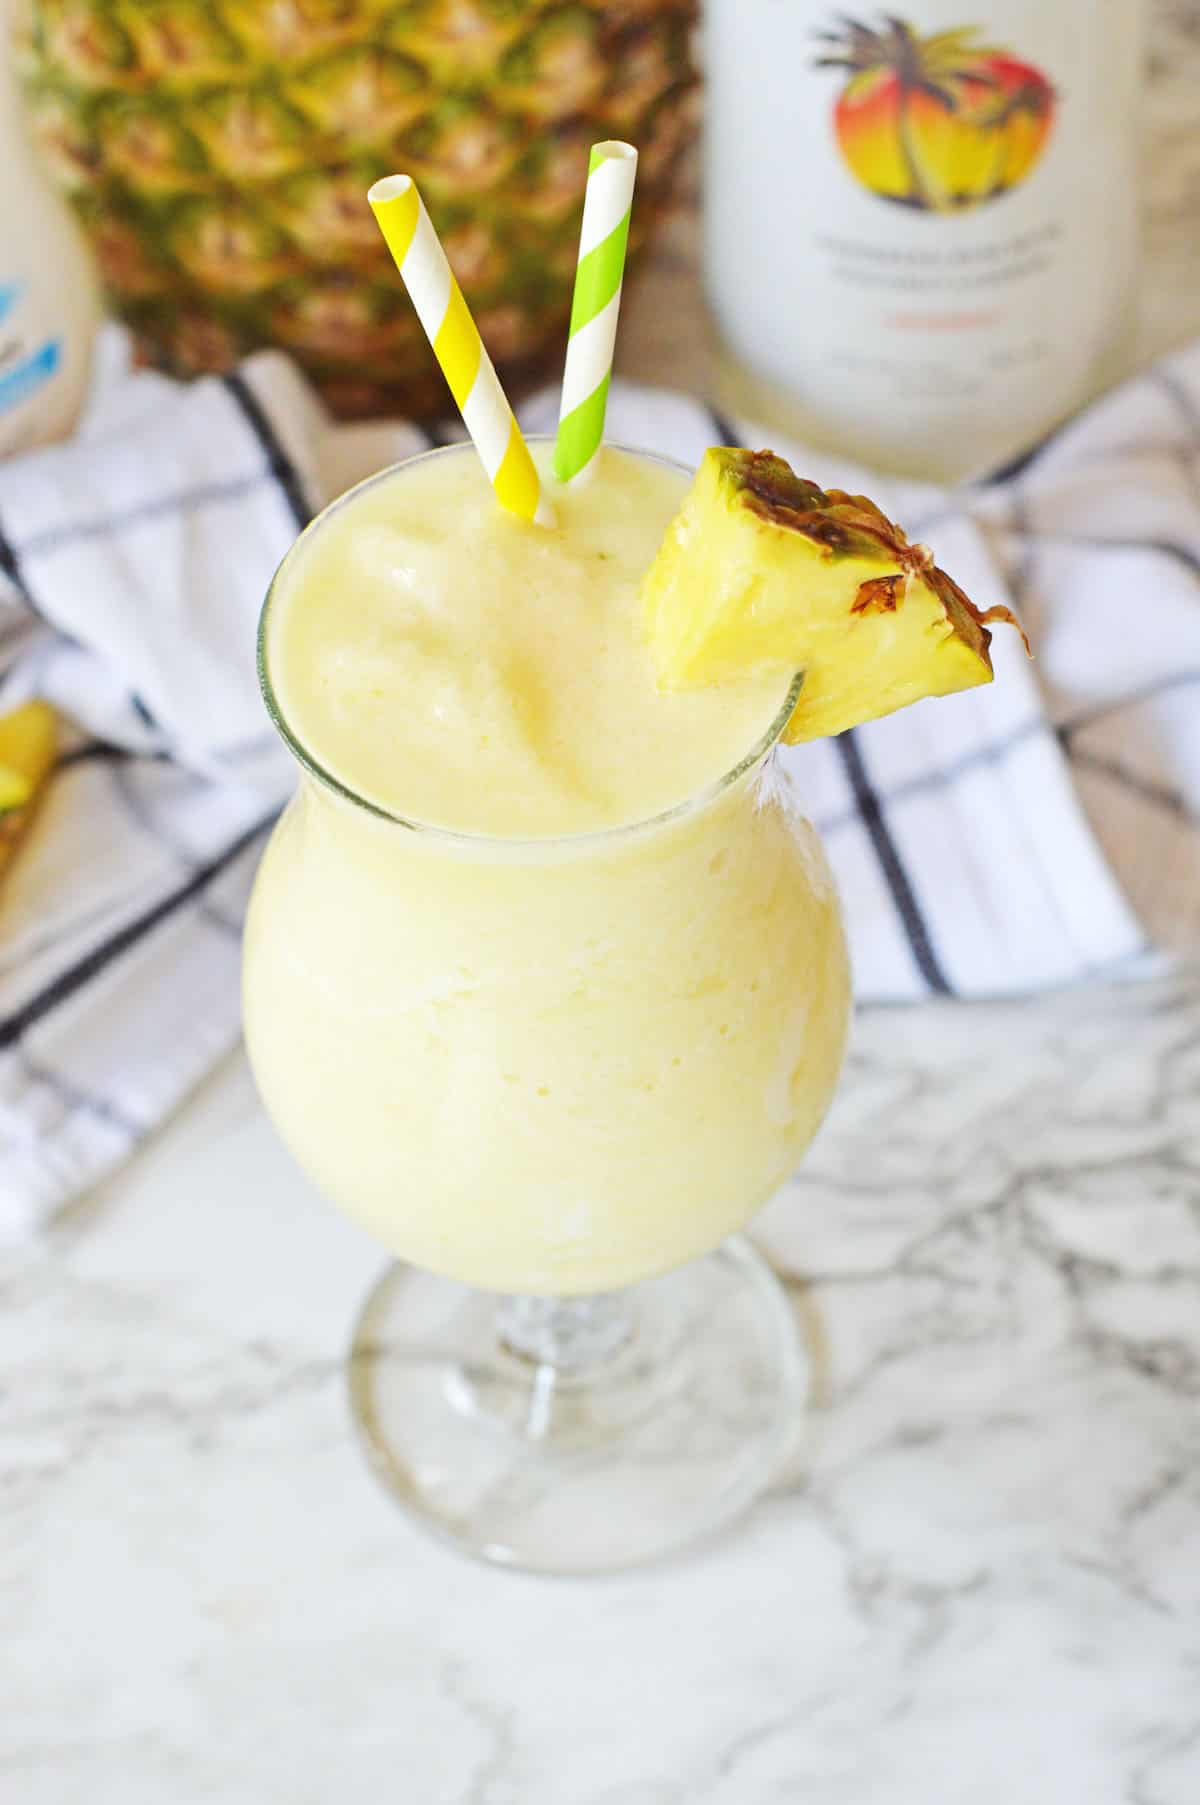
[{"x": 545, "y": 980}]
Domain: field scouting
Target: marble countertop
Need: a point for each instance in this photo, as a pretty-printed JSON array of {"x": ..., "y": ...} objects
[{"x": 982, "y": 1587}]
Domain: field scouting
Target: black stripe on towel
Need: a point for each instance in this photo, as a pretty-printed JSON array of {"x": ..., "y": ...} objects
[
  {"x": 1158, "y": 548},
  {"x": 181, "y": 501},
  {"x": 1148, "y": 692},
  {"x": 998, "y": 750},
  {"x": 723, "y": 426},
  {"x": 1174, "y": 801},
  {"x": 440, "y": 434},
  {"x": 281, "y": 465},
  {"x": 105, "y": 752},
  {"x": 1023, "y": 461},
  {"x": 92, "y": 964},
  {"x": 74, "y": 1097},
  {"x": 10, "y": 564},
  {"x": 1180, "y": 400},
  {"x": 892, "y": 865},
  {"x": 945, "y": 777}
]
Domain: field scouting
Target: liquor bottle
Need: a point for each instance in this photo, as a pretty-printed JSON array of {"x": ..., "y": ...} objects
[{"x": 921, "y": 230}]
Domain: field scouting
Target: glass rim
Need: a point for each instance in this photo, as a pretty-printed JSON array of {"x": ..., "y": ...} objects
[{"x": 465, "y": 839}]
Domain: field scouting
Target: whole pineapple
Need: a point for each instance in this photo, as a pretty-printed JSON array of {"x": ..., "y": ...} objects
[{"x": 219, "y": 153}]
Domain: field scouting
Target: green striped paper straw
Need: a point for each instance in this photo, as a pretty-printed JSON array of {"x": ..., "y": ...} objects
[{"x": 606, "y": 208}]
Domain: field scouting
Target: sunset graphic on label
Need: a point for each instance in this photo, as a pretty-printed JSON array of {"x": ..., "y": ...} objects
[{"x": 941, "y": 123}]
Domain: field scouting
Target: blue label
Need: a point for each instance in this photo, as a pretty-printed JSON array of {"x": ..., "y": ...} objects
[
  {"x": 10, "y": 294},
  {"x": 24, "y": 378}
]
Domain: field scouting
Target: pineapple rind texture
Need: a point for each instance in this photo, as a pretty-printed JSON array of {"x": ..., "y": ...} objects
[
  {"x": 219, "y": 152},
  {"x": 761, "y": 569}
]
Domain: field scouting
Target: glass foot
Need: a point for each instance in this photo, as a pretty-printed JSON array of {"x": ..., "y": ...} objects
[{"x": 580, "y": 1435}]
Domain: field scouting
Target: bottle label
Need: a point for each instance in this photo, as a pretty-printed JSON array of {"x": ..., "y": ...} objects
[
  {"x": 26, "y": 362},
  {"x": 937, "y": 126}
]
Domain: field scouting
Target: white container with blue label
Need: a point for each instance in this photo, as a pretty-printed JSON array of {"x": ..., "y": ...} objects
[{"x": 49, "y": 305}]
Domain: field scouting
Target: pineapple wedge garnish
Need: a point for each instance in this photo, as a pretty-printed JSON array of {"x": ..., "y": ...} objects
[
  {"x": 28, "y": 737},
  {"x": 761, "y": 569}
]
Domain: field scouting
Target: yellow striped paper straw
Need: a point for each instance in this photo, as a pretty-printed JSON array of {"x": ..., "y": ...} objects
[
  {"x": 458, "y": 347},
  {"x": 607, "y": 205}
]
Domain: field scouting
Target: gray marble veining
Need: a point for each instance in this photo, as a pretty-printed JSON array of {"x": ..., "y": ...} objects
[{"x": 981, "y": 1583}]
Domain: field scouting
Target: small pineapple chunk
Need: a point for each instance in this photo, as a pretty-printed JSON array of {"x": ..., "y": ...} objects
[
  {"x": 760, "y": 568},
  {"x": 27, "y": 745}
]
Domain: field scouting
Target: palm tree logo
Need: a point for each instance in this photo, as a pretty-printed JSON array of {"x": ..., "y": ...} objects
[{"x": 941, "y": 123}]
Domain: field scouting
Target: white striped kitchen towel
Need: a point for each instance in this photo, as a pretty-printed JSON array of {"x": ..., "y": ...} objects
[{"x": 1038, "y": 832}]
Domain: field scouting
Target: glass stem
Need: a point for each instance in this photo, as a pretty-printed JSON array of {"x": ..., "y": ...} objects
[
  {"x": 562, "y": 1338},
  {"x": 568, "y": 1334}
]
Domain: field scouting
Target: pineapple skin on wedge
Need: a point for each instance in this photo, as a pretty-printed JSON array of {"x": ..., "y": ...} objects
[
  {"x": 28, "y": 740},
  {"x": 761, "y": 568}
]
